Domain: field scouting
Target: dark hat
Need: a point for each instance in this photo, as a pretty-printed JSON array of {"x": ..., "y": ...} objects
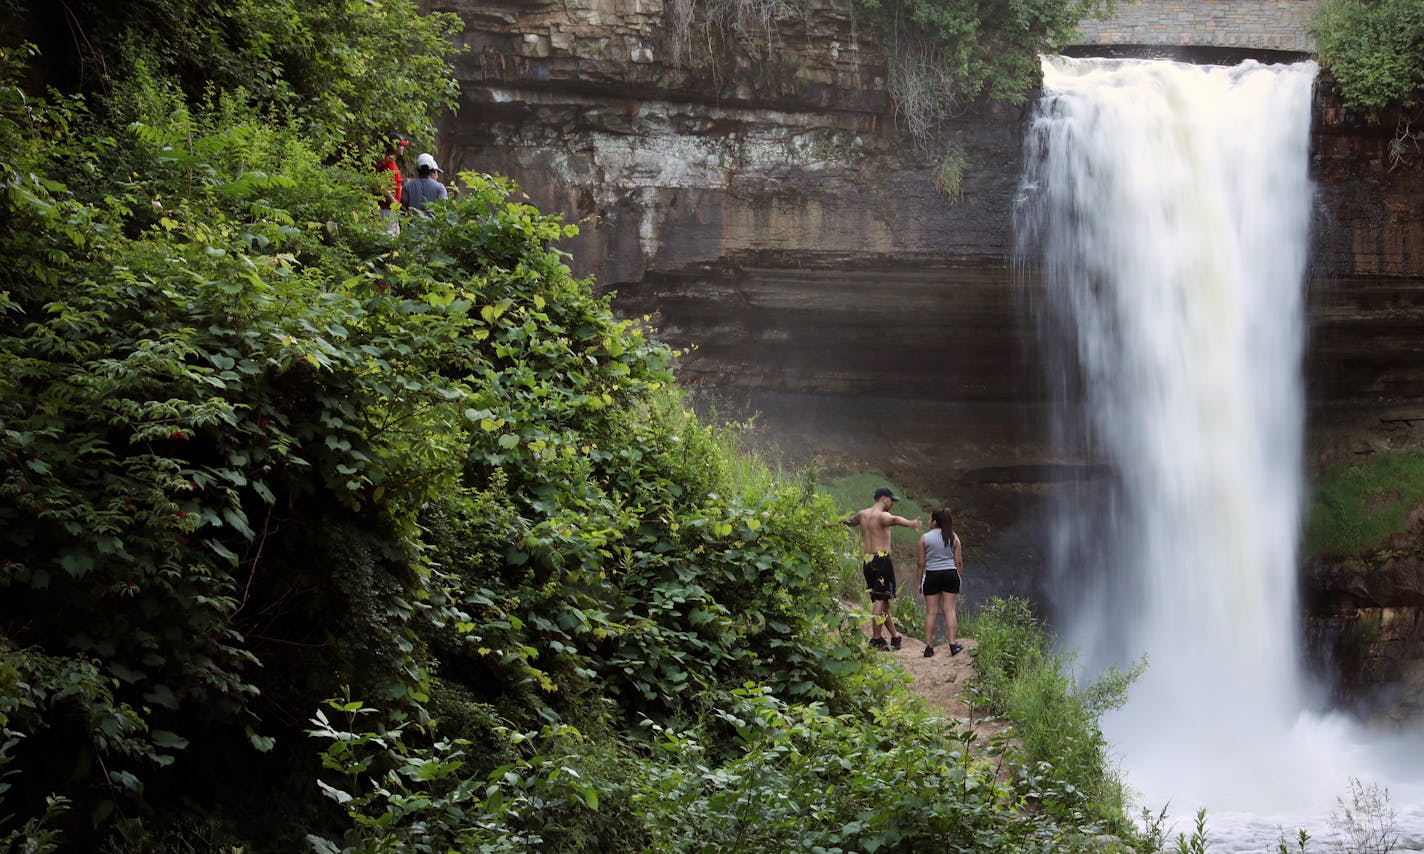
[{"x": 886, "y": 492}]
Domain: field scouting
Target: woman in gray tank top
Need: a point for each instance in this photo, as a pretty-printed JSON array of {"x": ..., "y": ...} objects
[{"x": 941, "y": 564}]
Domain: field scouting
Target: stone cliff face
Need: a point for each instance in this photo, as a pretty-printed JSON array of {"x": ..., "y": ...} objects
[
  {"x": 1365, "y": 367},
  {"x": 780, "y": 229},
  {"x": 1369, "y": 622},
  {"x": 1368, "y": 285},
  {"x": 768, "y": 214}
]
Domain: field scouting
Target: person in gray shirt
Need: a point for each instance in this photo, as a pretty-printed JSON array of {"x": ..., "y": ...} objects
[{"x": 425, "y": 188}]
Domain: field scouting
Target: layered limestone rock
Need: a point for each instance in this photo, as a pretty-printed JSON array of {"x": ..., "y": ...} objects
[
  {"x": 1365, "y": 365},
  {"x": 820, "y": 269},
  {"x": 1369, "y": 623}
]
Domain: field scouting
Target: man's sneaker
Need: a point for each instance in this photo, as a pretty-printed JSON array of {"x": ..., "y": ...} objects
[
  {"x": 956, "y": 648},
  {"x": 895, "y": 642},
  {"x": 929, "y": 652},
  {"x": 878, "y": 643}
]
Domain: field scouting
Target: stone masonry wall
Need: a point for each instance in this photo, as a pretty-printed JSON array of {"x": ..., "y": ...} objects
[{"x": 1253, "y": 24}]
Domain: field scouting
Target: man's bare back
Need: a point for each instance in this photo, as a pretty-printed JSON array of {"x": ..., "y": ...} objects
[
  {"x": 875, "y": 524},
  {"x": 876, "y": 521}
]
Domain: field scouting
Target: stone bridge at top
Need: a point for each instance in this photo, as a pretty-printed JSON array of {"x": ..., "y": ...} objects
[{"x": 1236, "y": 25}]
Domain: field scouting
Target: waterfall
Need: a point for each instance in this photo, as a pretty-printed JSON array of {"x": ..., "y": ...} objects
[{"x": 1165, "y": 209}]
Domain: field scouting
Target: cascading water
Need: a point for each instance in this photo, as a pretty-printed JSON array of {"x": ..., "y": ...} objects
[{"x": 1166, "y": 208}]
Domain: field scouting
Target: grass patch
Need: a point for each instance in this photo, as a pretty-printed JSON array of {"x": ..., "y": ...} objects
[{"x": 1356, "y": 510}]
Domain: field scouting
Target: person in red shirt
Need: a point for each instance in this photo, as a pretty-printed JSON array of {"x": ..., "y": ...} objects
[{"x": 390, "y": 200}]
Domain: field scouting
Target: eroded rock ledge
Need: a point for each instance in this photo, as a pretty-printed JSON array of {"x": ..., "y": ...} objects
[{"x": 1369, "y": 622}]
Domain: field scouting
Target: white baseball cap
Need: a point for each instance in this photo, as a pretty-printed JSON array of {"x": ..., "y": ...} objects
[{"x": 427, "y": 161}]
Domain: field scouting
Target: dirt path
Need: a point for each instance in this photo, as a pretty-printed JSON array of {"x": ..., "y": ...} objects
[{"x": 944, "y": 680}]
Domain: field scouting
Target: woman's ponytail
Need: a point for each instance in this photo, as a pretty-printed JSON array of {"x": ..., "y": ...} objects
[{"x": 945, "y": 522}]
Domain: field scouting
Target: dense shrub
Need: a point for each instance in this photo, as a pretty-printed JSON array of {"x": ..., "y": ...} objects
[
  {"x": 312, "y": 534},
  {"x": 1022, "y": 678},
  {"x": 1373, "y": 50}
]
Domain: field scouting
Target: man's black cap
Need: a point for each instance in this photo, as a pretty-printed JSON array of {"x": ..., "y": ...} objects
[{"x": 884, "y": 492}]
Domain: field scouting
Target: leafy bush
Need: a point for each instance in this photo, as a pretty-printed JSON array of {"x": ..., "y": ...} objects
[
  {"x": 799, "y": 778},
  {"x": 945, "y": 54},
  {"x": 261, "y": 453},
  {"x": 1373, "y": 50},
  {"x": 345, "y": 72},
  {"x": 262, "y": 450},
  {"x": 1055, "y": 720}
]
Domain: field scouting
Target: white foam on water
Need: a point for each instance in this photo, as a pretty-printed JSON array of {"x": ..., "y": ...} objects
[{"x": 1167, "y": 207}]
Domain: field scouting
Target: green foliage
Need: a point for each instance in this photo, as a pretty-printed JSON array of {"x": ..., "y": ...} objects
[
  {"x": 1357, "y": 510},
  {"x": 1373, "y": 50},
  {"x": 945, "y": 54},
  {"x": 1302, "y": 839},
  {"x": 339, "y": 69},
  {"x": 1197, "y": 843},
  {"x": 559, "y": 792},
  {"x": 1009, "y": 641},
  {"x": 1055, "y": 720},
  {"x": 949, "y": 178},
  {"x": 797, "y": 778},
  {"x": 260, "y": 453},
  {"x": 229, "y": 401},
  {"x": 909, "y": 615},
  {"x": 261, "y": 449}
]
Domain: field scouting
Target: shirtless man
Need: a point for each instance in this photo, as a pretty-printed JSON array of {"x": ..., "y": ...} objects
[{"x": 875, "y": 523}]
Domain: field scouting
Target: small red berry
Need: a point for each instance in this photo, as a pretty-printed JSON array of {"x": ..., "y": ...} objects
[{"x": 177, "y": 435}]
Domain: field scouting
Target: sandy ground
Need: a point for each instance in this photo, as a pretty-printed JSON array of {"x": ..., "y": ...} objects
[{"x": 943, "y": 680}]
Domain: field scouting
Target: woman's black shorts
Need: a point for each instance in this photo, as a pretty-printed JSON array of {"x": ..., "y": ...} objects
[{"x": 941, "y": 581}]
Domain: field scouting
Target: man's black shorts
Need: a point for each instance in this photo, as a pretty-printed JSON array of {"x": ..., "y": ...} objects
[
  {"x": 880, "y": 577},
  {"x": 941, "y": 581}
]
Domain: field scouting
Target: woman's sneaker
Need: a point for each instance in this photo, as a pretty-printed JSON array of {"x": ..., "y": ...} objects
[
  {"x": 895, "y": 642},
  {"x": 878, "y": 643},
  {"x": 929, "y": 652},
  {"x": 956, "y": 648}
]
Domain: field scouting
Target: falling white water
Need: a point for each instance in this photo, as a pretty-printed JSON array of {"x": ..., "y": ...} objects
[{"x": 1167, "y": 208}]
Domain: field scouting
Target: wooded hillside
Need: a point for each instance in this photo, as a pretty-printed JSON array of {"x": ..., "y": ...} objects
[{"x": 317, "y": 536}]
